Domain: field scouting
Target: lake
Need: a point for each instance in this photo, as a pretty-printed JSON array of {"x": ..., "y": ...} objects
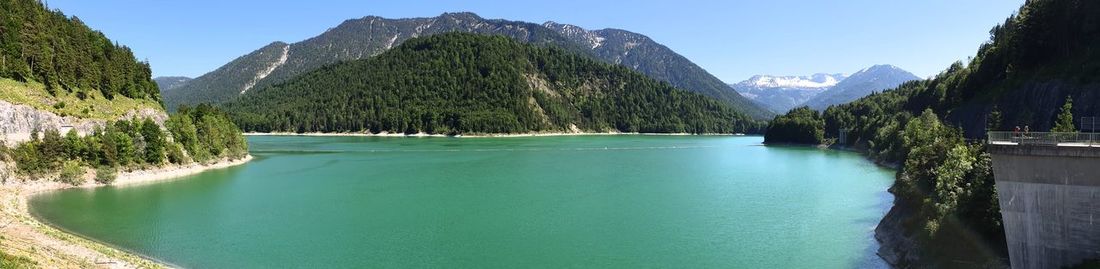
[{"x": 548, "y": 202}]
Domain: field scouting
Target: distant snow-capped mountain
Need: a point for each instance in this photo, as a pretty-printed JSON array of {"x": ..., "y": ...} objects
[
  {"x": 819, "y": 91},
  {"x": 782, "y": 93},
  {"x": 814, "y": 81},
  {"x": 872, "y": 79}
]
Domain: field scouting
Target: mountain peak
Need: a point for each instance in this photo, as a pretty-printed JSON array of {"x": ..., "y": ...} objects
[
  {"x": 463, "y": 15},
  {"x": 883, "y": 68},
  {"x": 876, "y": 78}
]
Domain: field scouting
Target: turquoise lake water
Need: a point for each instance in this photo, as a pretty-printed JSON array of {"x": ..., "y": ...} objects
[{"x": 547, "y": 202}]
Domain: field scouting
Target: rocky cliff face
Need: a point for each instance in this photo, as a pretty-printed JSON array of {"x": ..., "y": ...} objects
[
  {"x": 18, "y": 122},
  {"x": 1034, "y": 104}
]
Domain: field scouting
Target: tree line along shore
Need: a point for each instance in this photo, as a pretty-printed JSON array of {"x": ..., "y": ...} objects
[{"x": 199, "y": 134}]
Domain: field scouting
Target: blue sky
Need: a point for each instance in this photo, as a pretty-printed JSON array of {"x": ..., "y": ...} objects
[{"x": 731, "y": 39}]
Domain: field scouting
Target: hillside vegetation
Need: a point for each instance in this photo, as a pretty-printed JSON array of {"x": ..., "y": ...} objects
[
  {"x": 93, "y": 106},
  {"x": 67, "y": 57},
  {"x": 1035, "y": 62},
  {"x": 202, "y": 134},
  {"x": 55, "y": 63},
  {"x": 369, "y": 36},
  {"x": 464, "y": 83}
]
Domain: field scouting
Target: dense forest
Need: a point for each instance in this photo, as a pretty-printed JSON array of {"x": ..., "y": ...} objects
[
  {"x": 200, "y": 134},
  {"x": 369, "y": 36},
  {"x": 464, "y": 83},
  {"x": 37, "y": 44},
  {"x": 1036, "y": 62},
  {"x": 801, "y": 125}
]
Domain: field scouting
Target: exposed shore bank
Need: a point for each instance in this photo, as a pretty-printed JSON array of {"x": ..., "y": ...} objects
[{"x": 25, "y": 236}]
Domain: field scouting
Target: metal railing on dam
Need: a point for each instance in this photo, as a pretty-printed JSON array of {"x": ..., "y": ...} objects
[{"x": 1045, "y": 138}]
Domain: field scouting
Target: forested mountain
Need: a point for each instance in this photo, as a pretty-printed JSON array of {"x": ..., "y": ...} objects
[
  {"x": 464, "y": 83},
  {"x": 873, "y": 79},
  {"x": 168, "y": 83},
  {"x": 782, "y": 93},
  {"x": 1035, "y": 62},
  {"x": 369, "y": 36},
  {"x": 55, "y": 71},
  {"x": 652, "y": 59},
  {"x": 66, "y": 56}
]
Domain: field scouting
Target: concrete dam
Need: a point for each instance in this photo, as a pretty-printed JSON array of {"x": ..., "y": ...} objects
[{"x": 1049, "y": 192}]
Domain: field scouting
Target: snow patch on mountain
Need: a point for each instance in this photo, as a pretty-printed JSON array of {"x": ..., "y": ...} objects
[{"x": 817, "y": 81}]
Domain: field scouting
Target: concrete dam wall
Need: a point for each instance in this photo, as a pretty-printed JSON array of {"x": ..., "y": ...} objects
[{"x": 1050, "y": 200}]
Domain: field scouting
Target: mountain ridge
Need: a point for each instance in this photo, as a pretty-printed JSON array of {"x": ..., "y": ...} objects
[
  {"x": 167, "y": 83},
  {"x": 491, "y": 84},
  {"x": 818, "y": 91},
  {"x": 370, "y": 35},
  {"x": 876, "y": 78}
]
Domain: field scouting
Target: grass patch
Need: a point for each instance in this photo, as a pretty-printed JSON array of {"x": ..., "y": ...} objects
[
  {"x": 93, "y": 106},
  {"x": 8, "y": 261}
]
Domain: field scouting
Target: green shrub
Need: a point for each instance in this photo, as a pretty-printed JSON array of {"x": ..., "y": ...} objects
[
  {"x": 175, "y": 154},
  {"x": 27, "y": 161},
  {"x": 105, "y": 175},
  {"x": 72, "y": 173}
]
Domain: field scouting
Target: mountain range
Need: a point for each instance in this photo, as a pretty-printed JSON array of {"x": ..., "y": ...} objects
[
  {"x": 872, "y": 79},
  {"x": 460, "y": 83},
  {"x": 369, "y": 36},
  {"x": 782, "y": 93},
  {"x": 819, "y": 91}
]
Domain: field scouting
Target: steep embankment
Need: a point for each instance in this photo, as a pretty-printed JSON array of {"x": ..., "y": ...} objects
[
  {"x": 947, "y": 214},
  {"x": 369, "y": 36},
  {"x": 463, "y": 83}
]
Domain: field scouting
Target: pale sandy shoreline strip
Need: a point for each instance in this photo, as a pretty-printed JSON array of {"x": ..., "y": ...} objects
[{"x": 53, "y": 248}]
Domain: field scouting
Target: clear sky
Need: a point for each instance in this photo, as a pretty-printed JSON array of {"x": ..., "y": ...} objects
[{"x": 732, "y": 39}]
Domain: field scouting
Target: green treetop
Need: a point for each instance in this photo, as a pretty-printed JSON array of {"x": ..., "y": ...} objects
[{"x": 1064, "y": 122}]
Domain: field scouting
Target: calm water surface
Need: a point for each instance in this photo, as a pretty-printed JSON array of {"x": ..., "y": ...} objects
[{"x": 588, "y": 201}]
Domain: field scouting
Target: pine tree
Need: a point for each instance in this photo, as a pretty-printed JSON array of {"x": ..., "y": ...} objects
[
  {"x": 1064, "y": 122},
  {"x": 993, "y": 122}
]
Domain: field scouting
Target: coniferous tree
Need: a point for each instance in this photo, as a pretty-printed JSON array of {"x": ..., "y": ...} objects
[
  {"x": 1064, "y": 122},
  {"x": 154, "y": 141}
]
